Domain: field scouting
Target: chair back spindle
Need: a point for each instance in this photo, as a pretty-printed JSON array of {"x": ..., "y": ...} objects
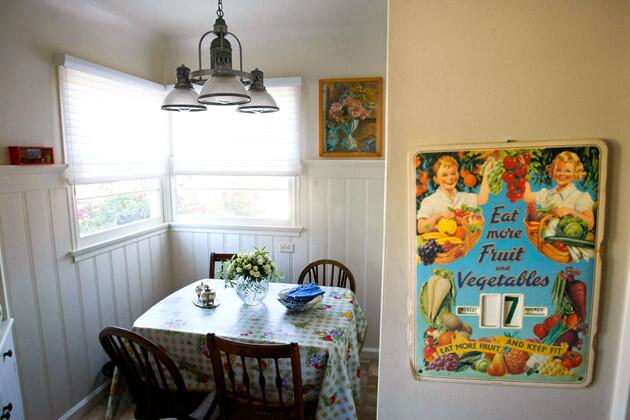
[
  {"x": 155, "y": 383},
  {"x": 217, "y": 258},
  {"x": 328, "y": 273},
  {"x": 241, "y": 401}
]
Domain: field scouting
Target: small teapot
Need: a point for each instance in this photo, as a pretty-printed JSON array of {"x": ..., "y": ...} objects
[
  {"x": 199, "y": 288},
  {"x": 207, "y": 296}
]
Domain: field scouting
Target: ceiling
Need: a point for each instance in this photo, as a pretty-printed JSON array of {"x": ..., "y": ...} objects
[{"x": 183, "y": 18}]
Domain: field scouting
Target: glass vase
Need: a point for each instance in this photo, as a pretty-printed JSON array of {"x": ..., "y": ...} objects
[{"x": 252, "y": 292}]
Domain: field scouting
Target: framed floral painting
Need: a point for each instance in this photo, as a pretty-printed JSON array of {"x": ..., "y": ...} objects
[{"x": 350, "y": 117}]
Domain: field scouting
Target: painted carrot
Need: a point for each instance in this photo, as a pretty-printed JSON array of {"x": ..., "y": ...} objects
[{"x": 577, "y": 294}]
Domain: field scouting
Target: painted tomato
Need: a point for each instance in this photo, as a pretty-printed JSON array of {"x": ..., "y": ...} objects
[
  {"x": 550, "y": 322},
  {"x": 572, "y": 358},
  {"x": 540, "y": 331}
]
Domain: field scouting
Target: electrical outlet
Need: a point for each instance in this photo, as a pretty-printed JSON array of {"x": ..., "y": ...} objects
[{"x": 287, "y": 247}]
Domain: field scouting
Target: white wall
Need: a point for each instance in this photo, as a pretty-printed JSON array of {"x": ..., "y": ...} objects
[
  {"x": 464, "y": 72},
  {"x": 31, "y": 33},
  {"x": 60, "y": 306},
  {"x": 341, "y": 211}
]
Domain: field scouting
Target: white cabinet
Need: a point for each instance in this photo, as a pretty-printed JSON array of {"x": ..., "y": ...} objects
[{"x": 10, "y": 395}]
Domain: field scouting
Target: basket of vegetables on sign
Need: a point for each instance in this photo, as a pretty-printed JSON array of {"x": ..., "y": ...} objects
[
  {"x": 566, "y": 326},
  {"x": 451, "y": 238},
  {"x": 564, "y": 240}
]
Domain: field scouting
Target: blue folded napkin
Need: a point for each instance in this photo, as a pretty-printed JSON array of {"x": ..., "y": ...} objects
[{"x": 305, "y": 292}]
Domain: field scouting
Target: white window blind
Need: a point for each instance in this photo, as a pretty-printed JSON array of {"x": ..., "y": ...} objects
[
  {"x": 222, "y": 141},
  {"x": 113, "y": 126}
]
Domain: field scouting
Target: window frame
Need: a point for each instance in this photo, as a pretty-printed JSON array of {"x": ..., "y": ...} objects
[
  {"x": 63, "y": 64},
  {"x": 120, "y": 231},
  {"x": 241, "y": 222},
  {"x": 167, "y": 190}
]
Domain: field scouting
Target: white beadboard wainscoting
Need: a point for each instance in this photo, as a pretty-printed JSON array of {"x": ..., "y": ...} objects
[
  {"x": 60, "y": 305},
  {"x": 61, "y": 299},
  {"x": 341, "y": 213}
]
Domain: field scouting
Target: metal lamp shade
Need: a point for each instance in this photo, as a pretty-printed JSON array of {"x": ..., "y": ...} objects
[
  {"x": 262, "y": 102},
  {"x": 183, "y": 100},
  {"x": 223, "y": 89}
]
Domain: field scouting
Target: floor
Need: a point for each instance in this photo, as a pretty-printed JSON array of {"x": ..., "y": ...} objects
[{"x": 366, "y": 409}]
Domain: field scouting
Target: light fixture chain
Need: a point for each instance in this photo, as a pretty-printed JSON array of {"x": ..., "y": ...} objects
[{"x": 220, "y": 9}]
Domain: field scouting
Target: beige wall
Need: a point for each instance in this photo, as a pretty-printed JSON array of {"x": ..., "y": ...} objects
[
  {"x": 463, "y": 72},
  {"x": 285, "y": 50},
  {"x": 31, "y": 33}
]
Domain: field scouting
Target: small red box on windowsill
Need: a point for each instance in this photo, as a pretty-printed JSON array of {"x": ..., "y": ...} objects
[{"x": 31, "y": 155}]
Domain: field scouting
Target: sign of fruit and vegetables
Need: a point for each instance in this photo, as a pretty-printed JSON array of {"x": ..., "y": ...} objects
[{"x": 531, "y": 240}]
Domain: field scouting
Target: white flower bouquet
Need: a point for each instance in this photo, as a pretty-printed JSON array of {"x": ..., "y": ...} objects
[{"x": 251, "y": 266}]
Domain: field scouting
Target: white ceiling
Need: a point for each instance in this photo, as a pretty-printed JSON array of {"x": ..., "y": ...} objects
[{"x": 183, "y": 18}]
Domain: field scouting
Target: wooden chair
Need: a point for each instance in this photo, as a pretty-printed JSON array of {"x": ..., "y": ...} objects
[
  {"x": 156, "y": 385},
  {"x": 217, "y": 258},
  {"x": 322, "y": 272},
  {"x": 236, "y": 401}
]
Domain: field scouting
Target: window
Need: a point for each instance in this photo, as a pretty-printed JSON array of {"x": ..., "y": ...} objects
[
  {"x": 227, "y": 168},
  {"x": 116, "y": 146},
  {"x": 233, "y": 168},
  {"x": 104, "y": 206},
  {"x": 253, "y": 200}
]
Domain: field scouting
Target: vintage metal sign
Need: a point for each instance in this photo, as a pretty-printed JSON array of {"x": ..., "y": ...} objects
[{"x": 506, "y": 249}]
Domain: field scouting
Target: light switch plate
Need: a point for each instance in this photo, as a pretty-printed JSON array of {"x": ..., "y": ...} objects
[{"x": 287, "y": 247}]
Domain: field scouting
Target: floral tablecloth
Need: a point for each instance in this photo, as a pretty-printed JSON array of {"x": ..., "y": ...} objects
[{"x": 328, "y": 337}]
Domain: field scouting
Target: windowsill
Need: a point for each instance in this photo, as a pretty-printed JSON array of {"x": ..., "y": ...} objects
[
  {"x": 85, "y": 252},
  {"x": 204, "y": 227},
  {"x": 89, "y": 251}
]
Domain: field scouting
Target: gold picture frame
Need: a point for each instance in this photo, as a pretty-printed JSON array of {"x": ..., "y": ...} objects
[{"x": 351, "y": 117}]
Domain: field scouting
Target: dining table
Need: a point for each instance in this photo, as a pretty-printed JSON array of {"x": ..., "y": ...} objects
[{"x": 328, "y": 335}]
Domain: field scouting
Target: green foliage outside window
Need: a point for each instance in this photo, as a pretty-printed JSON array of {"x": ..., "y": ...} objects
[{"x": 95, "y": 216}]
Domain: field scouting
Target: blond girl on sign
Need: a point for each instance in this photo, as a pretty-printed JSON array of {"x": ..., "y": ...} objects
[
  {"x": 446, "y": 198},
  {"x": 565, "y": 198}
]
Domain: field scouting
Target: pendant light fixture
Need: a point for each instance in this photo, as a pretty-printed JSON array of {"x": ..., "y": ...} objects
[
  {"x": 183, "y": 97},
  {"x": 222, "y": 85},
  {"x": 262, "y": 102}
]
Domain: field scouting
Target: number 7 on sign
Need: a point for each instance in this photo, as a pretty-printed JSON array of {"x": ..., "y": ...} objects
[{"x": 513, "y": 310}]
